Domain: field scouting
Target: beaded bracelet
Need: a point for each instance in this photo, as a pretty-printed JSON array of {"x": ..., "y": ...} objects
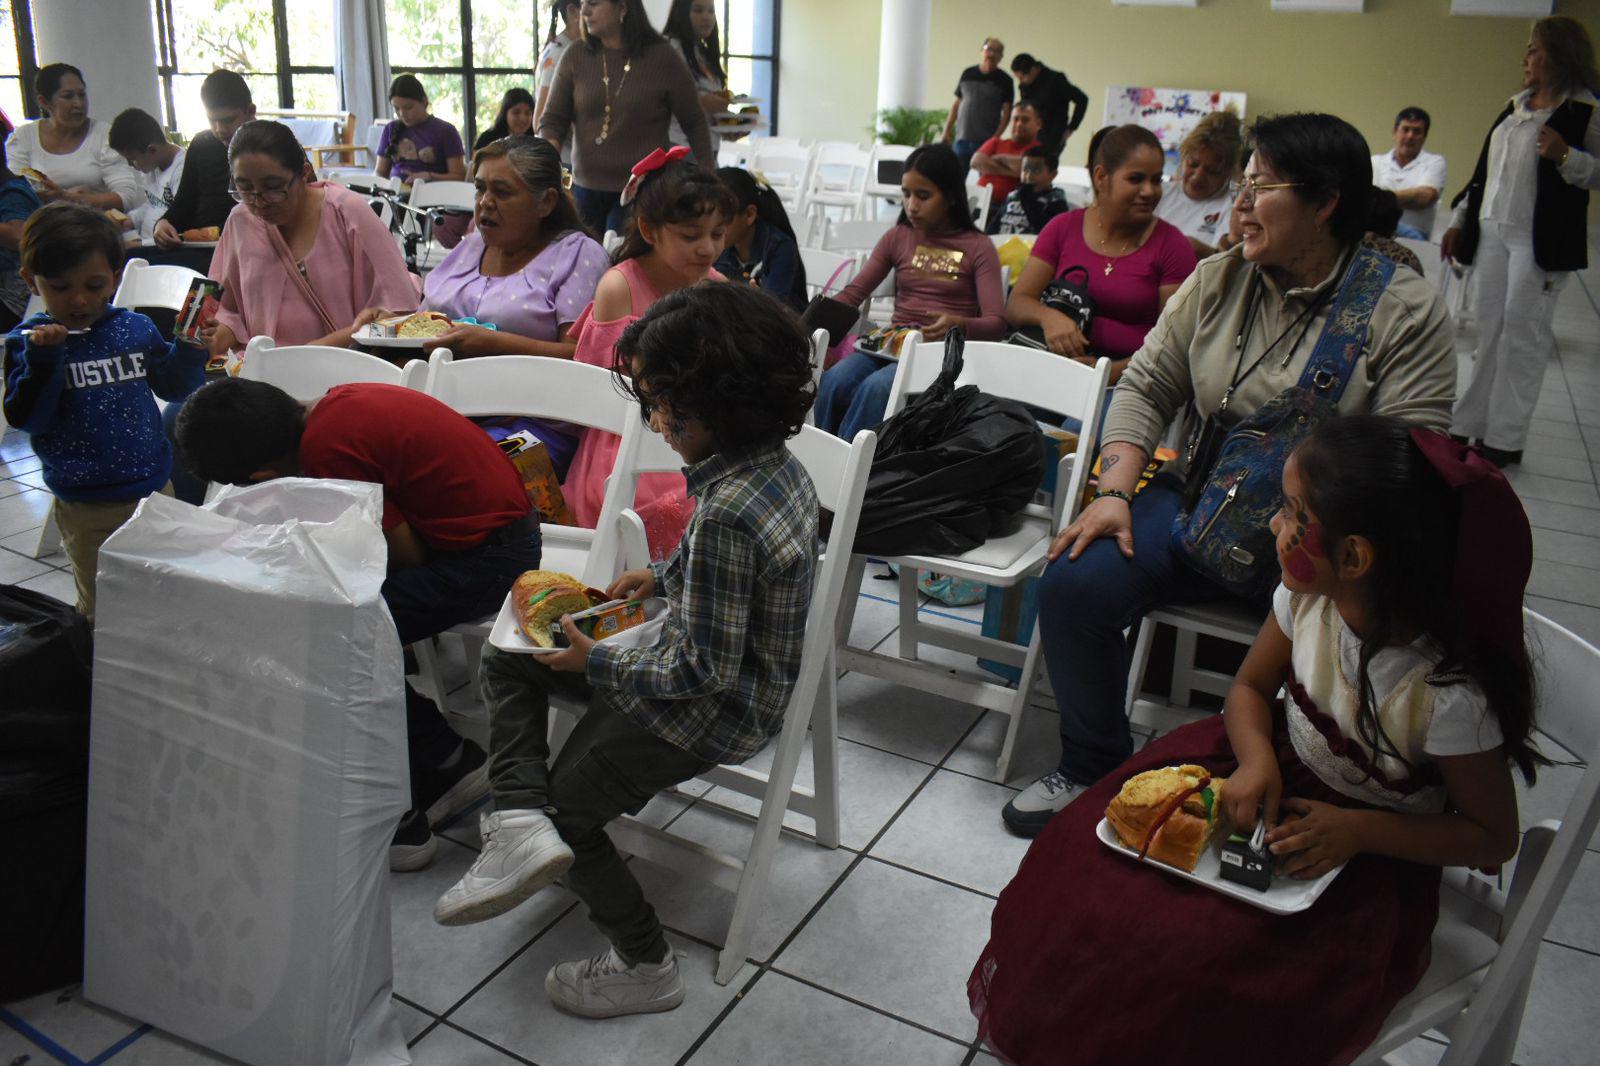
[{"x": 1125, "y": 497}]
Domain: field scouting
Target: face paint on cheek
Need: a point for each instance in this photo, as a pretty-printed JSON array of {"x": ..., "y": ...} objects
[{"x": 1305, "y": 547}]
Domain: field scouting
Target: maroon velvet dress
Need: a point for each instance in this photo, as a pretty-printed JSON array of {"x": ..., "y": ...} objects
[{"x": 1094, "y": 958}]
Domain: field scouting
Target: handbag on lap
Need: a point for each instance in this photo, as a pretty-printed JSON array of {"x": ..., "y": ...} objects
[{"x": 1068, "y": 295}]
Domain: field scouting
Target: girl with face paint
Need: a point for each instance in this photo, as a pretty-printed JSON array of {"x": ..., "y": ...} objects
[{"x": 1396, "y": 644}]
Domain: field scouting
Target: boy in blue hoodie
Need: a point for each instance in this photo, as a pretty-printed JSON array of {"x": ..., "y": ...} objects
[{"x": 78, "y": 380}]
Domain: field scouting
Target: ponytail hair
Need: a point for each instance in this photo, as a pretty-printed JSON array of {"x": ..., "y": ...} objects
[{"x": 678, "y": 192}]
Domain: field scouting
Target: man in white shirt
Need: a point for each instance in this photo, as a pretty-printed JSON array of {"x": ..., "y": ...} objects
[
  {"x": 1416, "y": 177},
  {"x": 139, "y": 139}
]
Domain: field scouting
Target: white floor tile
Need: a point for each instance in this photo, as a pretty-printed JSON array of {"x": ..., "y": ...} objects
[
  {"x": 25, "y": 541},
  {"x": 57, "y": 583},
  {"x": 1562, "y": 516},
  {"x": 1554, "y": 447},
  {"x": 1580, "y": 618},
  {"x": 10, "y": 487},
  {"x": 1556, "y": 490},
  {"x": 802, "y": 871},
  {"x": 515, "y": 1013},
  {"x": 1560, "y": 581},
  {"x": 16, "y": 568},
  {"x": 157, "y": 1048},
  {"x": 448, "y": 1047},
  {"x": 1577, "y": 922},
  {"x": 71, "y": 1021},
  {"x": 1547, "y": 428},
  {"x": 1547, "y": 465},
  {"x": 952, "y": 830},
  {"x": 1561, "y": 1026},
  {"x": 874, "y": 620},
  {"x": 412, "y": 1020},
  {"x": 782, "y": 1020},
  {"x": 1549, "y": 796},
  {"x": 916, "y": 724},
  {"x": 1573, "y": 549},
  {"x": 24, "y": 510},
  {"x": 1037, "y": 751},
  {"x": 898, "y": 941},
  {"x": 434, "y": 966}
]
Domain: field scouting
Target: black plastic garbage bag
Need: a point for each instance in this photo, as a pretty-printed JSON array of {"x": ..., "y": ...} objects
[
  {"x": 952, "y": 470},
  {"x": 45, "y": 656}
]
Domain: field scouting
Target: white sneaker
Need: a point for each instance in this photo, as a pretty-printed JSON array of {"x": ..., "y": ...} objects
[
  {"x": 1031, "y": 809},
  {"x": 607, "y": 987},
  {"x": 522, "y": 853}
]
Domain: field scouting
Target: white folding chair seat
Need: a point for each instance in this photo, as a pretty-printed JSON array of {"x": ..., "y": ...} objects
[
  {"x": 1487, "y": 941},
  {"x": 838, "y": 175},
  {"x": 306, "y": 371},
  {"x": 1017, "y": 373},
  {"x": 1231, "y": 620},
  {"x": 826, "y": 272},
  {"x": 164, "y": 285},
  {"x": 838, "y": 470}
]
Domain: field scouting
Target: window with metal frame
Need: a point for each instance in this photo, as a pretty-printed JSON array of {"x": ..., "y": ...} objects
[
  {"x": 17, "y": 65},
  {"x": 750, "y": 32}
]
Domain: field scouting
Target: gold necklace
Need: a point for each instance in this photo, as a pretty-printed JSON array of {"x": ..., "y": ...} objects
[
  {"x": 1111, "y": 261},
  {"x": 605, "y": 80}
]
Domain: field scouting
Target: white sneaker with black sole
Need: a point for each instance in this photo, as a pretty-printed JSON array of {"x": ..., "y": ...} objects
[
  {"x": 1031, "y": 809},
  {"x": 607, "y": 987},
  {"x": 522, "y": 853},
  {"x": 413, "y": 845}
]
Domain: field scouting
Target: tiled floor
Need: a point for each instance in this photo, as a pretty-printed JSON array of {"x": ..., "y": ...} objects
[{"x": 861, "y": 954}]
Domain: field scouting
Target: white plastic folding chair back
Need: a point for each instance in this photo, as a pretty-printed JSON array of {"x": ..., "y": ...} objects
[
  {"x": 788, "y": 171},
  {"x": 1016, "y": 373},
  {"x": 144, "y": 285},
  {"x": 839, "y": 472},
  {"x": 838, "y": 176},
  {"x": 819, "y": 356},
  {"x": 1486, "y": 942},
  {"x": 454, "y": 195},
  {"x": 1077, "y": 183},
  {"x": 306, "y": 371},
  {"x": 980, "y": 199},
  {"x": 853, "y": 235},
  {"x": 875, "y": 192},
  {"x": 611, "y": 241},
  {"x": 826, "y": 272}
]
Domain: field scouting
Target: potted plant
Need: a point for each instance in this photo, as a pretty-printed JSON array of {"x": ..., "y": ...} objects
[{"x": 911, "y": 126}]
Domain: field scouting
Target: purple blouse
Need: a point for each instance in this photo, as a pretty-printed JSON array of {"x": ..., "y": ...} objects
[{"x": 535, "y": 302}]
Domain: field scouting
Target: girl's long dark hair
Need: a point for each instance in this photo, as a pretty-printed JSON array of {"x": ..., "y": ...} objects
[
  {"x": 678, "y": 192},
  {"x": 940, "y": 165},
  {"x": 680, "y": 30},
  {"x": 501, "y": 127},
  {"x": 1363, "y": 476},
  {"x": 769, "y": 209}
]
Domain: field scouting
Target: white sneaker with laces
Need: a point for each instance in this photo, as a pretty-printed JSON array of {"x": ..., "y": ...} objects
[
  {"x": 522, "y": 853},
  {"x": 607, "y": 987},
  {"x": 1031, "y": 809}
]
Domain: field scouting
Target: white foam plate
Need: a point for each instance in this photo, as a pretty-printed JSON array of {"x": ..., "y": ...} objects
[
  {"x": 372, "y": 335},
  {"x": 135, "y": 241},
  {"x": 1285, "y": 896},
  {"x": 508, "y": 636}
]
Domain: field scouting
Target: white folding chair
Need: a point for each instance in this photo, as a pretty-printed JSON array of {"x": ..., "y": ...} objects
[
  {"x": 1078, "y": 184},
  {"x": 787, "y": 169},
  {"x": 144, "y": 285},
  {"x": 879, "y": 308},
  {"x": 535, "y": 387},
  {"x": 1487, "y": 941},
  {"x": 819, "y": 356},
  {"x": 826, "y": 272},
  {"x": 839, "y": 472},
  {"x": 980, "y": 199},
  {"x": 853, "y": 235},
  {"x": 838, "y": 175},
  {"x": 1018, "y": 373},
  {"x": 877, "y": 191},
  {"x": 306, "y": 371},
  {"x": 1230, "y": 620},
  {"x": 611, "y": 241},
  {"x": 427, "y": 197}
]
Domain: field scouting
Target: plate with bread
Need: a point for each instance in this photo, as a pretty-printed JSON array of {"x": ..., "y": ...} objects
[
  {"x": 1173, "y": 818},
  {"x": 529, "y": 622},
  {"x": 405, "y": 331}
]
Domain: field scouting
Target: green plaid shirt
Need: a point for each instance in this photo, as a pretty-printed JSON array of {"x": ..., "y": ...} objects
[{"x": 738, "y": 590}]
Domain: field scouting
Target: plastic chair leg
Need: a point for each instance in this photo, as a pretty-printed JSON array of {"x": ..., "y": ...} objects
[
  {"x": 1019, "y": 706},
  {"x": 49, "y": 535},
  {"x": 825, "y": 754},
  {"x": 1141, "y": 659}
]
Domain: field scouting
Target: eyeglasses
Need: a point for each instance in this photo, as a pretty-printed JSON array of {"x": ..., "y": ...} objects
[
  {"x": 268, "y": 197},
  {"x": 1251, "y": 188}
]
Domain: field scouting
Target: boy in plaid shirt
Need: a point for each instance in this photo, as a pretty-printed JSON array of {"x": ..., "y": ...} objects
[{"x": 722, "y": 371}]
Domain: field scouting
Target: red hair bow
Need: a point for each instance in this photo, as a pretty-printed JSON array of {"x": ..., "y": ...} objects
[{"x": 649, "y": 165}]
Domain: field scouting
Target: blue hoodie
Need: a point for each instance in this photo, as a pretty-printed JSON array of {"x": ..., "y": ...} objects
[{"x": 86, "y": 404}]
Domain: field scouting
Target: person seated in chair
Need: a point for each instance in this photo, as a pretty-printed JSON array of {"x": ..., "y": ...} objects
[
  {"x": 723, "y": 372},
  {"x": 456, "y": 518}
]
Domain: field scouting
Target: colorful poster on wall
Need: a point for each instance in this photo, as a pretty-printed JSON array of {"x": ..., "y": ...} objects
[{"x": 1168, "y": 113}]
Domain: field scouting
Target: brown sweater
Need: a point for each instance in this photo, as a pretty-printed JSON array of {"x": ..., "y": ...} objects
[{"x": 657, "y": 88}]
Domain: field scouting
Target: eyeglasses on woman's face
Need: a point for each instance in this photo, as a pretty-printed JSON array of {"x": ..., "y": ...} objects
[
  {"x": 1250, "y": 188},
  {"x": 267, "y": 195}
]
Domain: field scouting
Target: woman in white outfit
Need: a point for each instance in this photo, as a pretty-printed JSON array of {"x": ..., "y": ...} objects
[
  {"x": 1522, "y": 225},
  {"x": 70, "y": 149}
]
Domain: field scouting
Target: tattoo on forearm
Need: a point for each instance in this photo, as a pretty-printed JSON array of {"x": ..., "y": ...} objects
[{"x": 1107, "y": 462}]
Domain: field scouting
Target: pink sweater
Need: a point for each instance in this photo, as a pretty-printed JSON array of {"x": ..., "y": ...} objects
[{"x": 954, "y": 274}]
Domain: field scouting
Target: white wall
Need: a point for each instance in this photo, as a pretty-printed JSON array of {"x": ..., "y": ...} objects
[{"x": 112, "y": 41}]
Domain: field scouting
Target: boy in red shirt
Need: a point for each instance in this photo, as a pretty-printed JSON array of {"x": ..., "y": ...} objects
[{"x": 456, "y": 518}]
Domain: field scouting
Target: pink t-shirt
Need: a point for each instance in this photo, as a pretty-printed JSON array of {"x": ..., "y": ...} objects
[
  {"x": 1127, "y": 301},
  {"x": 954, "y": 274}
]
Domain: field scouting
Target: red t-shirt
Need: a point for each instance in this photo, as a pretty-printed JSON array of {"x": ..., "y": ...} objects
[
  {"x": 1003, "y": 186},
  {"x": 440, "y": 473}
]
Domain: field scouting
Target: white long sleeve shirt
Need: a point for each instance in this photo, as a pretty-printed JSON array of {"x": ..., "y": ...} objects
[
  {"x": 92, "y": 164},
  {"x": 1512, "y": 179}
]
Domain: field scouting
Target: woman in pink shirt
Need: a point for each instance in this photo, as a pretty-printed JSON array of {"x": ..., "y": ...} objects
[
  {"x": 1133, "y": 261},
  {"x": 299, "y": 259},
  {"x": 946, "y": 274}
]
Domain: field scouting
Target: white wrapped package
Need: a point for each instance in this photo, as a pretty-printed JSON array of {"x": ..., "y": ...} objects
[{"x": 247, "y": 770}]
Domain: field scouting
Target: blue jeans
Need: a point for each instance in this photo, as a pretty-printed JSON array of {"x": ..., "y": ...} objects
[
  {"x": 448, "y": 589},
  {"x": 600, "y": 210},
  {"x": 1083, "y": 608},
  {"x": 965, "y": 150},
  {"x": 853, "y": 394}
]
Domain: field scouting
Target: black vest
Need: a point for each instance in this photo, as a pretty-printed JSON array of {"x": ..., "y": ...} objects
[{"x": 1560, "y": 210}]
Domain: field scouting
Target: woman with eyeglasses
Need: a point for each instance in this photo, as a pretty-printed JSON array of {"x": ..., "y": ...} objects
[
  {"x": 1521, "y": 224},
  {"x": 1240, "y": 331},
  {"x": 299, "y": 259}
]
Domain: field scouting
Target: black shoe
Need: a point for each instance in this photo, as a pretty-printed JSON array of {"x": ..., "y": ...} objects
[
  {"x": 1500, "y": 457},
  {"x": 459, "y": 785},
  {"x": 414, "y": 844}
]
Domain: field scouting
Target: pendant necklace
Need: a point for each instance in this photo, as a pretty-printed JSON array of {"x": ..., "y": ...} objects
[
  {"x": 605, "y": 80},
  {"x": 1110, "y": 261}
]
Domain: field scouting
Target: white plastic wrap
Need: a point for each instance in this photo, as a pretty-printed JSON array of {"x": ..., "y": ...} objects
[{"x": 247, "y": 770}]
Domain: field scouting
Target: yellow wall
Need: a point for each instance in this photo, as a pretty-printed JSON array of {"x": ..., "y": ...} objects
[{"x": 1361, "y": 67}]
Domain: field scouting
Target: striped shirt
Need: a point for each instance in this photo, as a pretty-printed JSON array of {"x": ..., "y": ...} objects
[{"x": 738, "y": 590}]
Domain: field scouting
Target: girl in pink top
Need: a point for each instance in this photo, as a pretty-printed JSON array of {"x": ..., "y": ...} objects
[
  {"x": 679, "y": 224},
  {"x": 1133, "y": 261},
  {"x": 298, "y": 259},
  {"x": 946, "y": 274}
]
